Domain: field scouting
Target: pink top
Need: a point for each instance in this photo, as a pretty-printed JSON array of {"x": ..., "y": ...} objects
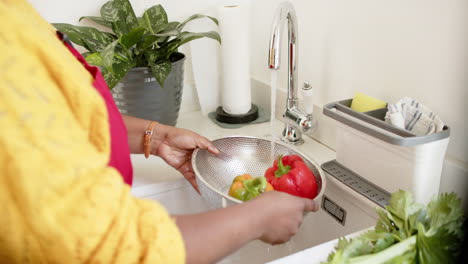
[{"x": 120, "y": 151}]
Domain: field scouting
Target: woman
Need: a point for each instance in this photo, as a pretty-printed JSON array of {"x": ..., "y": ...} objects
[{"x": 62, "y": 160}]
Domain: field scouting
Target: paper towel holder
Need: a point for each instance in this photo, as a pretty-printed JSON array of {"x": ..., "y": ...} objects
[{"x": 224, "y": 117}]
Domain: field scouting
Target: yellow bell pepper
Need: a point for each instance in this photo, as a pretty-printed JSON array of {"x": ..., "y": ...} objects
[{"x": 244, "y": 187}]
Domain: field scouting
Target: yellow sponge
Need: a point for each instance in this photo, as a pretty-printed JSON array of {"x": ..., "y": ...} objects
[{"x": 364, "y": 103}]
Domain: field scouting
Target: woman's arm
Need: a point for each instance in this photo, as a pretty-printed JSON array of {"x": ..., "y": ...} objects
[
  {"x": 178, "y": 137},
  {"x": 135, "y": 129},
  {"x": 274, "y": 217}
]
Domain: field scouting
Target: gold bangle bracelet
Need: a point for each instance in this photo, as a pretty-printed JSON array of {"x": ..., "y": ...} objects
[{"x": 147, "y": 139}]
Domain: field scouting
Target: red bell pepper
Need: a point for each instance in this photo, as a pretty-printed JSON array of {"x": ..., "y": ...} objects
[{"x": 291, "y": 175}]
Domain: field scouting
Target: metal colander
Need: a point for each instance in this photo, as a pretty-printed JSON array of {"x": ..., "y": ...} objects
[{"x": 239, "y": 155}]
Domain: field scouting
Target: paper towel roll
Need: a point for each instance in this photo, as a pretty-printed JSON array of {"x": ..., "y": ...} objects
[
  {"x": 206, "y": 63},
  {"x": 234, "y": 28}
]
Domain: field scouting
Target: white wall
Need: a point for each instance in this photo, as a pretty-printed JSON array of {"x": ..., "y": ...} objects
[{"x": 58, "y": 11}]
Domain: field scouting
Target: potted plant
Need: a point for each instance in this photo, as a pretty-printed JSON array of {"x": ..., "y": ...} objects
[{"x": 138, "y": 57}]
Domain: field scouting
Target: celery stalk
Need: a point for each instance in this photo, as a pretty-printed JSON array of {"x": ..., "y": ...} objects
[{"x": 387, "y": 254}]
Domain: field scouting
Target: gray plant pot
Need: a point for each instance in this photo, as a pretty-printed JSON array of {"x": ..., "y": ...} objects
[{"x": 140, "y": 95}]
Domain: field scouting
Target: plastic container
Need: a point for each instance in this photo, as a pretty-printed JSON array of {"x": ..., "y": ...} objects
[{"x": 389, "y": 157}]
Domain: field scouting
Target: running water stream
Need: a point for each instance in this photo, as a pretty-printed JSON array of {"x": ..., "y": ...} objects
[
  {"x": 273, "y": 85},
  {"x": 273, "y": 81}
]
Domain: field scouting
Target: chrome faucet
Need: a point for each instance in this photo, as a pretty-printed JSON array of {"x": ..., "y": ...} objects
[{"x": 296, "y": 122}]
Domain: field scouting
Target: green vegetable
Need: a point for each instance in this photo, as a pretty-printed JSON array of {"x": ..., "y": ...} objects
[
  {"x": 407, "y": 232},
  {"x": 244, "y": 187}
]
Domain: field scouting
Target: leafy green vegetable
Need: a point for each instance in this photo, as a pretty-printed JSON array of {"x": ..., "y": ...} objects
[
  {"x": 146, "y": 41},
  {"x": 407, "y": 232}
]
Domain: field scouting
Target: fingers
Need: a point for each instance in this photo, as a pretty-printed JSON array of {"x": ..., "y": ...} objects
[
  {"x": 204, "y": 143},
  {"x": 187, "y": 170},
  {"x": 213, "y": 149},
  {"x": 192, "y": 180},
  {"x": 195, "y": 185},
  {"x": 310, "y": 205}
]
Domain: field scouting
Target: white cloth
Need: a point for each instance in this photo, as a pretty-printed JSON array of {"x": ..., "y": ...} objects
[{"x": 411, "y": 115}]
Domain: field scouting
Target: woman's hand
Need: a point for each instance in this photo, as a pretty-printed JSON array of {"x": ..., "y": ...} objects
[
  {"x": 281, "y": 215},
  {"x": 173, "y": 145},
  {"x": 273, "y": 217},
  {"x": 176, "y": 145}
]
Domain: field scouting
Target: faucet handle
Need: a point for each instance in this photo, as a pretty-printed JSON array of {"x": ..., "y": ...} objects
[{"x": 307, "y": 93}]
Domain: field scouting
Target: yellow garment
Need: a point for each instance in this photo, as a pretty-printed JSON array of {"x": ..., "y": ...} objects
[{"x": 60, "y": 202}]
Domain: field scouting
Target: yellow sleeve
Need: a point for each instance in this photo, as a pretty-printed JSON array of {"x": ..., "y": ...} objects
[{"x": 61, "y": 203}]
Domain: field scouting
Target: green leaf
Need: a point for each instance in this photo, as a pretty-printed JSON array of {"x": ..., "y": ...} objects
[
  {"x": 120, "y": 69},
  {"x": 121, "y": 56},
  {"x": 436, "y": 231},
  {"x": 94, "y": 59},
  {"x": 121, "y": 16},
  {"x": 141, "y": 22},
  {"x": 167, "y": 31},
  {"x": 196, "y": 16},
  {"x": 111, "y": 79},
  {"x": 356, "y": 247},
  {"x": 170, "y": 33},
  {"x": 167, "y": 48},
  {"x": 145, "y": 21},
  {"x": 337, "y": 255},
  {"x": 437, "y": 246},
  {"x": 80, "y": 35},
  {"x": 109, "y": 12},
  {"x": 214, "y": 20},
  {"x": 404, "y": 211},
  {"x": 185, "y": 37},
  {"x": 93, "y": 45},
  {"x": 379, "y": 240},
  {"x": 441, "y": 241},
  {"x": 133, "y": 37},
  {"x": 161, "y": 70},
  {"x": 189, "y": 36},
  {"x": 415, "y": 219},
  {"x": 169, "y": 26},
  {"x": 153, "y": 56},
  {"x": 445, "y": 211},
  {"x": 347, "y": 249},
  {"x": 384, "y": 223},
  {"x": 120, "y": 27},
  {"x": 98, "y": 20},
  {"x": 108, "y": 55},
  {"x": 402, "y": 205},
  {"x": 155, "y": 18},
  {"x": 149, "y": 41},
  {"x": 127, "y": 14}
]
